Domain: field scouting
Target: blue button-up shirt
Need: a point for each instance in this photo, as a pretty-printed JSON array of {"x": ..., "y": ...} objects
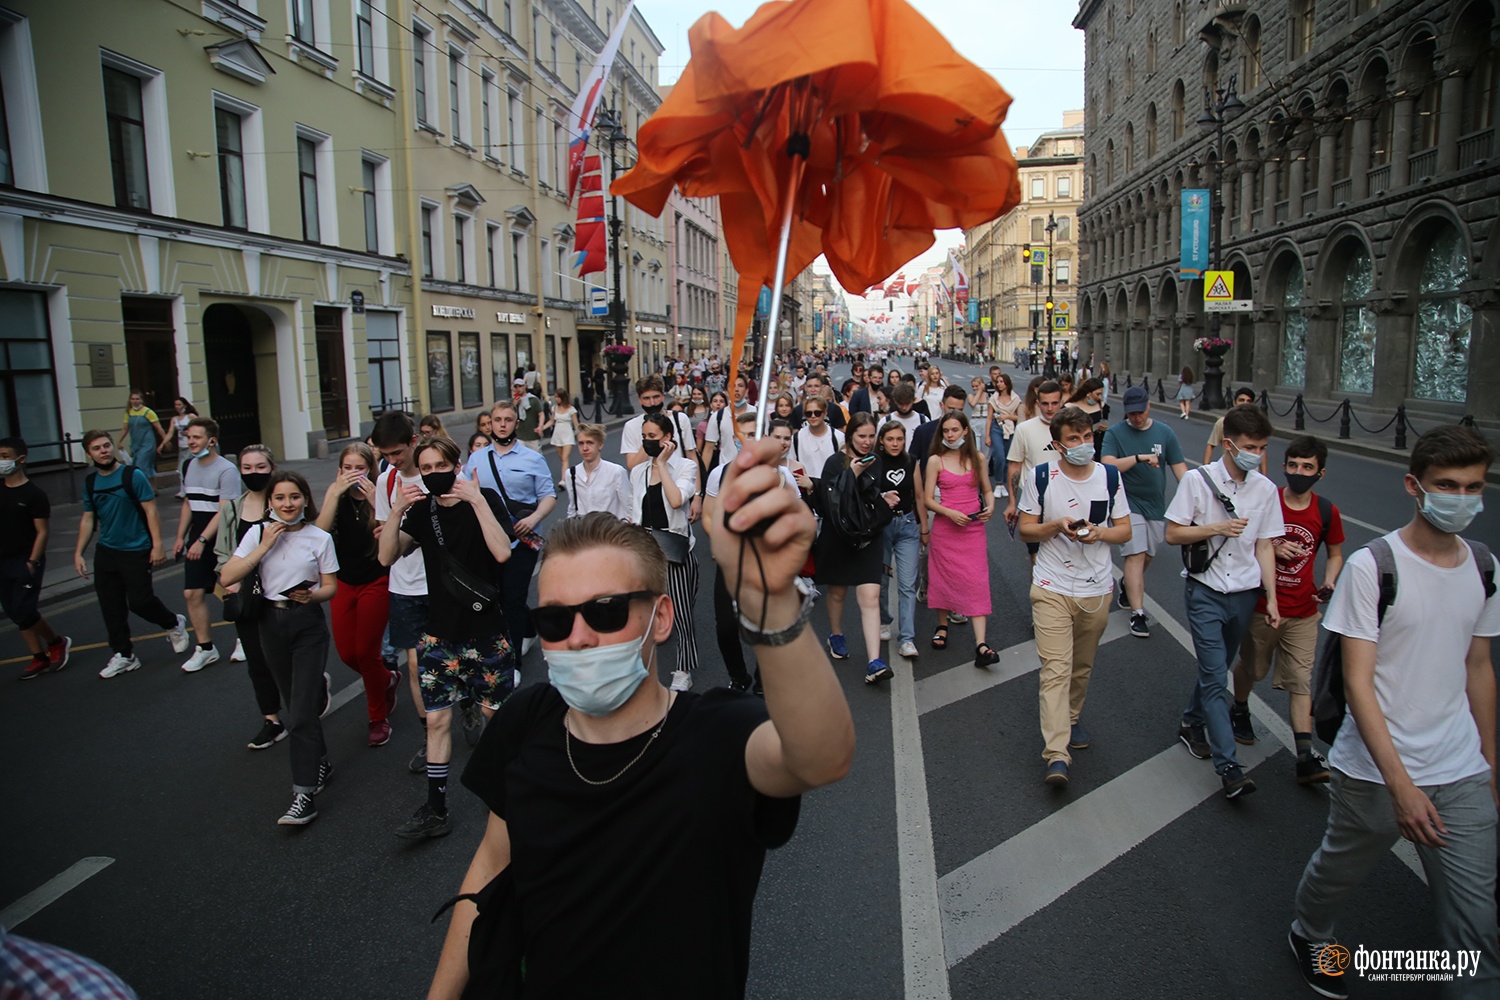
[{"x": 525, "y": 472}]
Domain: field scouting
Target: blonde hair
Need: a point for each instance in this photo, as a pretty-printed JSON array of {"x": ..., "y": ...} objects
[
  {"x": 443, "y": 444},
  {"x": 594, "y": 432},
  {"x": 363, "y": 452},
  {"x": 601, "y": 530}
]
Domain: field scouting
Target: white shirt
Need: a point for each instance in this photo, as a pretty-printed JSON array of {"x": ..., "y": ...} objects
[
  {"x": 1234, "y": 569},
  {"x": 934, "y": 398},
  {"x": 814, "y": 451},
  {"x": 295, "y": 557},
  {"x": 721, "y": 425},
  {"x": 606, "y": 489},
  {"x": 684, "y": 474},
  {"x": 409, "y": 574},
  {"x": 630, "y": 434},
  {"x": 716, "y": 479},
  {"x": 1420, "y": 677},
  {"x": 910, "y": 421},
  {"x": 1032, "y": 445},
  {"x": 1063, "y": 566}
]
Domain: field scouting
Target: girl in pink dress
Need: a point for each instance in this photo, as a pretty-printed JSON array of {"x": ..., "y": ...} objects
[{"x": 958, "y": 558}]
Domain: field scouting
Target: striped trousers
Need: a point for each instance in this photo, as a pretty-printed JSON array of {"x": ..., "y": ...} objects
[{"x": 682, "y": 587}]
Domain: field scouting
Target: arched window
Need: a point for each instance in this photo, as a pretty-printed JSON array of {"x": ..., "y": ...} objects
[
  {"x": 1179, "y": 111},
  {"x": 1364, "y": 6},
  {"x": 1109, "y": 163},
  {"x": 1151, "y": 131},
  {"x": 1179, "y": 30},
  {"x": 1302, "y": 27},
  {"x": 1129, "y": 72},
  {"x": 1418, "y": 73},
  {"x": 1109, "y": 24},
  {"x": 1151, "y": 51},
  {"x": 1251, "y": 72},
  {"x": 1338, "y": 103},
  {"x": 1357, "y": 326},
  {"x": 1109, "y": 96},
  {"x": 1472, "y": 38},
  {"x": 1293, "y": 329},
  {"x": 1443, "y": 321},
  {"x": 1372, "y": 93},
  {"x": 1211, "y": 72},
  {"x": 1129, "y": 148}
]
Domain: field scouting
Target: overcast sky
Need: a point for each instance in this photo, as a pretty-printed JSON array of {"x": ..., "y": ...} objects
[{"x": 1030, "y": 47}]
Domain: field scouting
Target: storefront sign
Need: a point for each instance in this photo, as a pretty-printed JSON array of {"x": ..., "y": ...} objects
[
  {"x": 501, "y": 317},
  {"x": 453, "y": 312},
  {"x": 642, "y": 328}
]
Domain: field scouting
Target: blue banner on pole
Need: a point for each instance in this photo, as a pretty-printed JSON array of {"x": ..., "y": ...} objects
[
  {"x": 817, "y": 322},
  {"x": 932, "y": 324},
  {"x": 1195, "y": 223},
  {"x": 973, "y": 312},
  {"x": 763, "y": 304}
]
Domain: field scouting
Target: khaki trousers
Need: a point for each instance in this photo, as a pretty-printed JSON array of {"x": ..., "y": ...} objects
[{"x": 1067, "y": 637}]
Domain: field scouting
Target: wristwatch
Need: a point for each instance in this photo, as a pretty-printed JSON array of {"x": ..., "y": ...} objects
[{"x": 785, "y": 636}]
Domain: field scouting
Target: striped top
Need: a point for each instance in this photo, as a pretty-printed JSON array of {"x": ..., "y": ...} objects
[{"x": 204, "y": 485}]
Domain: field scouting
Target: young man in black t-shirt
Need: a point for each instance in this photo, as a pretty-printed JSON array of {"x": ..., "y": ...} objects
[
  {"x": 619, "y": 807},
  {"x": 25, "y": 513},
  {"x": 463, "y": 651}
]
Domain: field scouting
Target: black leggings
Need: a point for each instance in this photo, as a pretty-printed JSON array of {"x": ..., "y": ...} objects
[
  {"x": 267, "y": 697},
  {"x": 727, "y": 631}
]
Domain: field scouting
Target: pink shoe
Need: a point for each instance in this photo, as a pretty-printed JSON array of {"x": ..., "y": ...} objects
[{"x": 380, "y": 733}]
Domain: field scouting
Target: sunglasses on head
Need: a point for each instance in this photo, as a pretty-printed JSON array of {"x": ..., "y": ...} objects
[{"x": 604, "y": 614}]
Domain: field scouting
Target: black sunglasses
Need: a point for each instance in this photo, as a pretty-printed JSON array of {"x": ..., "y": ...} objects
[
  {"x": 609, "y": 613},
  {"x": 813, "y": 413}
]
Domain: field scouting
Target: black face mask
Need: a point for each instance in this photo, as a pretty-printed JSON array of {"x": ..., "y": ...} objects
[
  {"x": 506, "y": 441},
  {"x": 651, "y": 446},
  {"x": 255, "y": 481},
  {"x": 1300, "y": 484},
  {"x": 652, "y": 409},
  {"x": 105, "y": 467},
  {"x": 439, "y": 483}
]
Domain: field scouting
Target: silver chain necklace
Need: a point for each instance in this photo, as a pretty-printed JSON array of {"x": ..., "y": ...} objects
[{"x": 568, "y": 747}]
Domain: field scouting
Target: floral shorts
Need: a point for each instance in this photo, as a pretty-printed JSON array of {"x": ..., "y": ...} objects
[{"x": 451, "y": 670}]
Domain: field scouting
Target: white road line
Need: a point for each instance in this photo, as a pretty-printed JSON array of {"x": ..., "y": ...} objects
[
  {"x": 50, "y": 892},
  {"x": 345, "y": 696},
  {"x": 1005, "y": 885},
  {"x": 925, "y": 970}
]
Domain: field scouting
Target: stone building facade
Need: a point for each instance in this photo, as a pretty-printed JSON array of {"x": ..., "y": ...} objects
[{"x": 1359, "y": 189}]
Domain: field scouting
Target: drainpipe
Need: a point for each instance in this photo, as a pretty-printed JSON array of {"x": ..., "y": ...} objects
[{"x": 405, "y": 121}]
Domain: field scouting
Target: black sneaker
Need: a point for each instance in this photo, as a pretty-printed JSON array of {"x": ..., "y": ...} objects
[
  {"x": 739, "y": 685},
  {"x": 418, "y": 762},
  {"x": 1122, "y": 599},
  {"x": 1193, "y": 737},
  {"x": 424, "y": 823},
  {"x": 325, "y": 771},
  {"x": 1236, "y": 783},
  {"x": 270, "y": 732},
  {"x": 1239, "y": 721},
  {"x": 1311, "y": 769},
  {"x": 302, "y": 811},
  {"x": 1138, "y": 626},
  {"x": 1322, "y": 964}
]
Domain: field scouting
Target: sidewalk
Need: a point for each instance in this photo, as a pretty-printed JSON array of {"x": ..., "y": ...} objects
[{"x": 59, "y": 580}]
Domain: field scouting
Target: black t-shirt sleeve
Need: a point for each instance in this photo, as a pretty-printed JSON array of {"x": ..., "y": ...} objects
[
  {"x": 485, "y": 773},
  {"x": 736, "y": 717},
  {"x": 41, "y": 507}
]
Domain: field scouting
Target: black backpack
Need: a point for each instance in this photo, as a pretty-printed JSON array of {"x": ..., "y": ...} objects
[
  {"x": 851, "y": 506},
  {"x": 1329, "y": 704},
  {"x": 127, "y": 486}
]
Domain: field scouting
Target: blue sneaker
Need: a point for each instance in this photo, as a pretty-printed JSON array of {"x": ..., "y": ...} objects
[
  {"x": 1057, "y": 774},
  {"x": 1078, "y": 739},
  {"x": 838, "y": 647},
  {"x": 877, "y": 672}
]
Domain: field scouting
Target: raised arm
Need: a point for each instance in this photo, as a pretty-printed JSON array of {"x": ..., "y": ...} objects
[{"x": 490, "y": 859}]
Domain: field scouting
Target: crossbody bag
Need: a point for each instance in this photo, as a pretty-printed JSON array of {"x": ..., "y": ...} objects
[{"x": 1198, "y": 556}]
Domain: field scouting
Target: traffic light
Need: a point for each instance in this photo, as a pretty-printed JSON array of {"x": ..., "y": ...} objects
[
  {"x": 1049, "y": 305},
  {"x": 1026, "y": 253}
]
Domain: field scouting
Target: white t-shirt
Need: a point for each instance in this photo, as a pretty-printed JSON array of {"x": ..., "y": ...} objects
[
  {"x": 814, "y": 451},
  {"x": 721, "y": 425},
  {"x": 1234, "y": 569},
  {"x": 630, "y": 434},
  {"x": 1420, "y": 677},
  {"x": 716, "y": 477},
  {"x": 409, "y": 574},
  {"x": 1063, "y": 566},
  {"x": 607, "y": 488},
  {"x": 910, "y": 421},
  {"x": 1032, "y": 445},
  {"x": 296, "y": 557},
  {"x": 934, "y": 398}
]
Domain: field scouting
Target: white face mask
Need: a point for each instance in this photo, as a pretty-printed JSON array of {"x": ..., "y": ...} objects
[
  {"x": 598, "y": 681},
  {"x": 7, "y": 466}
]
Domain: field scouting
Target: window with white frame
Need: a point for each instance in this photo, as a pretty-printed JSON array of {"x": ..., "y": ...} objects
[
  {"x": 461, "y": 230},
  {"x": 308, "y": 24},
  {"x": 379, "y": 209},
  {"x": 428, "y": 214},
  {"x": 1063, "y": 271},
  {"x": 364, "y": 37},
  {"x": 21, "y": 113},
  {"x": 315, "y": 186},
  {"x": 543, "y": 168},
  {"x": 229, "y": 134},
  {"x": 489, "y": 121},
  {"x": 1038, "y": 188},
  {"x": 307, "y": 187},
  {"x": 458, "y": 94},
  {"x": 559, "y": 152},
  {"x": 423, "y": 73},
  {"x": 518, "y": 260},
  {"x": 563, "y": 253},
  {"x": 135, "y": 105},
  {"x": 383, "y": 341},
  {"x": 494, "y": 254},
  {"x": 1064, "y": 186},
  {"x": 241, "y": 144},
  {"x": 545, "y": 249},
  {"x": 513, "y": 140}
]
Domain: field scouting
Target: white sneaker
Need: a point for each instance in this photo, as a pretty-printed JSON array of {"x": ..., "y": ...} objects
[
  {"x": 120, "y": 664},
  {"x": 681, "y": 680},
  {"x": 179, "y": 635},
  {"x": 885, "y": 633},
  {"x": 238, "y": 656},
  {"x": 200, "y": 659},
  {"x": 908, "y": 650}
]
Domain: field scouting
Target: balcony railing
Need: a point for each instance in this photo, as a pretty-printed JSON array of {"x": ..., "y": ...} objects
[
  {"x": 1380, "y": 178},
  {"x": 1257, "y": 218},
  {"x": 1234, "y": 226},
  {"x": 1342, "y": 191},
  {"x": 1475, "y": 149},
  {"x": 1423, "y": 164},
  {"x": 1282, "y": 209},
  {"x": 1309, "y": 202}
]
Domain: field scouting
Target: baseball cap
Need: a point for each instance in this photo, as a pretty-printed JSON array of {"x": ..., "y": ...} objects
[{"x": 1136, "y": 399}]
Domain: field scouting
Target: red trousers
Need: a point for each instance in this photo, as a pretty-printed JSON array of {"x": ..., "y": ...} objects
[{"x": 360, "y": 612}]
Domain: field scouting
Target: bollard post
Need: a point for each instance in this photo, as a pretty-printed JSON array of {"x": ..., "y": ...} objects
[
  {"x": 1401, "y": 427},
  {"x": 1467, "y": 421},
  {"x": 1344, "y": 420},
  {"x": 1301, "y": 421},
  {"x": 1161, "y": 390},
  {"x": 1128, "y": 380},
  {"x": 1265, "y": 402},
  {"x": 68, "y": 464}
]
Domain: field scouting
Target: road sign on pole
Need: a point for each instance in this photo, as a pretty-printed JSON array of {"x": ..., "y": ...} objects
[
  {"x": 1218, "y": 286},
  {"x": 1231, "y": 306}
]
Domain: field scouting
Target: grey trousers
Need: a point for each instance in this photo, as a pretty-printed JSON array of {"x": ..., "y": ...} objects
[
  {"x": 295, "y": 641},
  {"x": 1461, "y": 877}
]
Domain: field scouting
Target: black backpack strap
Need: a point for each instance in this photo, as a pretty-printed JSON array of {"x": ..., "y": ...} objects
[
  {"x": 1385, "y": 570},
  {"x": 1042, "y": 479},
  {"x": 1325, "y": 514},
  {"x": 1486, "y": 565}
]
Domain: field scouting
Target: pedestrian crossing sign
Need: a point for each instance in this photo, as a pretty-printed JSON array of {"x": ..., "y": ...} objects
[{"x": 1218, "y": 286}]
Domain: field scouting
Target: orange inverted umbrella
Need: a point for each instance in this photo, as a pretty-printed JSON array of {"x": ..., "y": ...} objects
[{"x": 849, "y": 128}]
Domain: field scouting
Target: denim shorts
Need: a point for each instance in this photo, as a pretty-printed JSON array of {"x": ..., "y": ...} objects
[
  {"x": 408, "y": 620},
  {"x": 453, "y": 669}
]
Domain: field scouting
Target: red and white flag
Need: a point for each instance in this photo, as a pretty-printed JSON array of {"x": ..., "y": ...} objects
[{"x": 581, "y": 116}]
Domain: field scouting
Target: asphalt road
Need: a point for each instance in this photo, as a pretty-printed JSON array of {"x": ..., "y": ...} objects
[{"x": 942, "y": 867}]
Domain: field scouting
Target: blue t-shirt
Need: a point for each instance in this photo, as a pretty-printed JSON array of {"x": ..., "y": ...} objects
[
  {"x": 1146, "y": 487},
  {"x": 121, "y": 527}
]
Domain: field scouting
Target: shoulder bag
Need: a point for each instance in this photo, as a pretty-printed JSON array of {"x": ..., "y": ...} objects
[
  {"x": 245, "y": 604},
  {"x": 1198, "y": 556},
  {"x": 464, "y": 584},
  {"x": 515, "y": 509}
]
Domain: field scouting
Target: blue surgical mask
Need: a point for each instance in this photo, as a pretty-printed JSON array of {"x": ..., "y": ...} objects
[
  {"x": 1079, "y": 454},
  {"x": 1450, "y": 512},
  {"x": 301, "y": 516},
  {"x": 597, "y": 681},
  {"x": 200, "y": 454},
  {"x": 953, "y": 445},
  {"x": 7, "y": 466},
  {"x": 1244, "y": 459}
]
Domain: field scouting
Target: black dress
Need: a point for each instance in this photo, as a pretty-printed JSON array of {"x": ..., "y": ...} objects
[{"x": 836, "y": 562}]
